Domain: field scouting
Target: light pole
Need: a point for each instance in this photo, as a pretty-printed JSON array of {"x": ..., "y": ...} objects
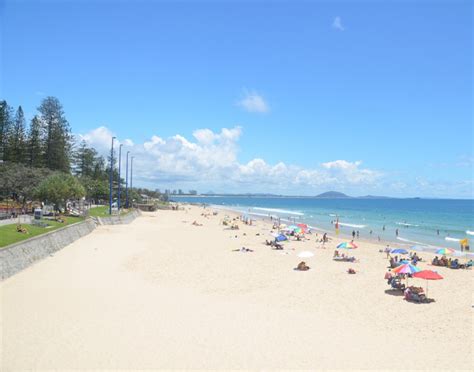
[
  {"x": 111, "y": 176},
  {"x": 131, "y": 176},
  {"x": 119, "y": 179},
  {"x": 126, "y": 181}
]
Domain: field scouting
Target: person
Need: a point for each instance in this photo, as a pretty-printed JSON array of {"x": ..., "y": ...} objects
[
  {"x": 437, "y": 231},
  {"x": 357, "y": 233},
  {"x": 302, "y": 266},
  {"x": 351, "y": 271},
  {"x": 353, "y": 234},
  {"x": 435, "y": 261},
  {"x": 387, "y": 251},
  {"x": 383, "y": 228},
  {"x": 336, "y": 253},
  {"x": 378, "y": 237},
  {"x": 396, "y": 232},
  {"x": 370, "y": 232},
  {"x": 388, "y": 276}
]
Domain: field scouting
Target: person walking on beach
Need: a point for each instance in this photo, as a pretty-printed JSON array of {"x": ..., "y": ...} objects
[
  {"x": 357, "y": 233},
  {"x": 353, "y": 234}
]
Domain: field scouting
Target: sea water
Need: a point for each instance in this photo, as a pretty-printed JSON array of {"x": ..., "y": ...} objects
[{"x": 432, "y": 222}]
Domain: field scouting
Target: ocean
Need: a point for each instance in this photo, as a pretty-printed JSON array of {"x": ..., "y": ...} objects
[{"x": 430, "y": 222}]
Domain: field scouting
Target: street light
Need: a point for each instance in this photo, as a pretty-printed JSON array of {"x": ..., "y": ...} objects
[
  {"x": 111, "y": 176},
  {"x": 119, "y": 179},
  {"x": 126, "y": 181},
  {"x": 131, "y": 175}
]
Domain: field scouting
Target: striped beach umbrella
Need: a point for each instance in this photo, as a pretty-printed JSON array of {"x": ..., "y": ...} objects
[
  {"x": 445, "y": 251},
  {"x": 406, "y": 269},
  {"x": 347, "y": 245}
]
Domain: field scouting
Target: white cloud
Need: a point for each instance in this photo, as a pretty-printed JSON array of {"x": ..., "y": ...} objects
[
  {"x": 99, "y": 138},
  {"x": 254, "y": 102},
  {"x": 210, "y": 161},
  {"x": 337, "y": 24}
]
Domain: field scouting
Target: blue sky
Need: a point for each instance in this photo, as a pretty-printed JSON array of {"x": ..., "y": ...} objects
[{"x": 362, "y": 97}]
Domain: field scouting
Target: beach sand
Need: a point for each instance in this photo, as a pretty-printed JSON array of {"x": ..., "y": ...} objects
[{"x": 161, "y": 293}]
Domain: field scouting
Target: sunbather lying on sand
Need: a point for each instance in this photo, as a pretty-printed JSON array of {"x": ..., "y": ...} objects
[
  {"x": 302, "y": 266},
  {"x": 196, "y": 224},
  {"x": 243, "y": 249},
  {"x": 351, "y": 271}
]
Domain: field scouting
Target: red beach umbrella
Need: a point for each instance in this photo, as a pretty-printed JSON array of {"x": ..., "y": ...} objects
[{"x": 427, "y": 275}]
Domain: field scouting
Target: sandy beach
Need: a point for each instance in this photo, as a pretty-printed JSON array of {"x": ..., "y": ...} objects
[{"x": 162, "y": 293}]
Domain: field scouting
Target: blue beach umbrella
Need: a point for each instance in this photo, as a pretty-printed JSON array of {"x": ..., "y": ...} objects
[
  {"x": 281, "y": 238},
  {"x": 399, "y": 251}
]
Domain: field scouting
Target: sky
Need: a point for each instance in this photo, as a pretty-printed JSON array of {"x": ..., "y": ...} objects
[{"x": 288, "y": 97}]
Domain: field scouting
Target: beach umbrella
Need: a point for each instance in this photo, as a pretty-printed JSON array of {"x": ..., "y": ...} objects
[
  {"x": 427, "y": 275},
  {"x": 281, "y": 238},
  {"x": 346, "y": 245},
  {"x": 406, "y": 269},
  {"x": 399, "y": 251},
  {"x": 445, "y": 251},
  {"x": 305, "y": 254}
]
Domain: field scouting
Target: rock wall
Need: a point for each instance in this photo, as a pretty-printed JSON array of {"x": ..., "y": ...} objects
[
  {"x": 117, "y": 220},
  {"x": 19, "y": 256}
]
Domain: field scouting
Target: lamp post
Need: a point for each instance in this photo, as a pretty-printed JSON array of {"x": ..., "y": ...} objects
[
  {"x": 126, "y": 181},
  {"x": 131, "y": 176},
  {"x": 119, "y": 179},
  {"x": 111, "y": 176}
]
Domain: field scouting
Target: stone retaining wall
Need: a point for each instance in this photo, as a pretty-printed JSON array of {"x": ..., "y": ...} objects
[
  {"x": 19, "y": 256},
  {"x": 118, "y": 220}
]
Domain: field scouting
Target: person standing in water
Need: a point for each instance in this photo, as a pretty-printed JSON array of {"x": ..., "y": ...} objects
[
  {"x": 396, "y": 232},
  {"x": 353, "y": 234}
]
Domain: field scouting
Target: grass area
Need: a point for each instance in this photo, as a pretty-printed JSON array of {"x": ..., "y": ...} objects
[
  {"x": 9, "y": 235},
  {"x": 103, "y": 211}
]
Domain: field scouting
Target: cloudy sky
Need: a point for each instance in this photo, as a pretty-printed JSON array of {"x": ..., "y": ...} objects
[{"x": 282, "y": 97}]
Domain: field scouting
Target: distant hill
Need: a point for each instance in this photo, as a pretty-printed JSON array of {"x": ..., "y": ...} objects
[{"x": 333, "y": 195}]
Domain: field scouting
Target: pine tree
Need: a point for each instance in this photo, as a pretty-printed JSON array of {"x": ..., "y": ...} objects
[
  {"x": 17, "y": 149},
  {"x": 35, "y": 143},
  {"x": 5, "y": 126},
  {"x": 84, "y": 160},
  {"x": 58, "y": 135}
]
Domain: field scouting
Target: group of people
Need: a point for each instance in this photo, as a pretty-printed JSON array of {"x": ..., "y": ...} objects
[
  {"x": 450, "y": 263},
  {"x": 343, "y": 257}
]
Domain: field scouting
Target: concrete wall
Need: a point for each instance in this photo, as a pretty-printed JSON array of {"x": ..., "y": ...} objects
[
  {"x": 117, "y": 220},
  {"x": 19, "y": 256}
]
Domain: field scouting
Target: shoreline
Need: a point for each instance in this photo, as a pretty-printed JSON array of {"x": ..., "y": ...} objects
[{"x": 427, "y": 248}]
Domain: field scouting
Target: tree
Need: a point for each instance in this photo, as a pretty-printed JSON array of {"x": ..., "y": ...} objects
[
  {"x": 84, "y": 160},
  {"x": 58, "y": 135},
  {"x": 35, "y": 146},
  {"x": 19, "y": 182},
  {"x": 5, "y": 125},
  {"x": 58, "y": 188},
  {"x": 16, "y": 142}
]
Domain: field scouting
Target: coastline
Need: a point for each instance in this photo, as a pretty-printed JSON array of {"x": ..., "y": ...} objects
[{"x": 393, "y": 243}]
